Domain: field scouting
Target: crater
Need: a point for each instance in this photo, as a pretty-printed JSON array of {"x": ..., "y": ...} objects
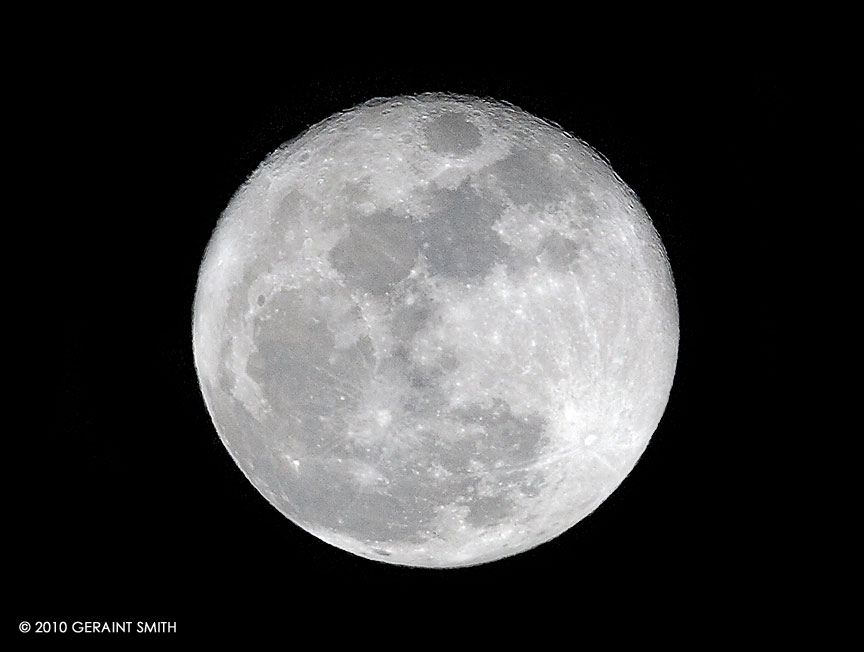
[{"x": 452, "y": 133}]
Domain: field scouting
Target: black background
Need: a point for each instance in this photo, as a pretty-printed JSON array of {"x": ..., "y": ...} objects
[{"x": 129, "y": 507}]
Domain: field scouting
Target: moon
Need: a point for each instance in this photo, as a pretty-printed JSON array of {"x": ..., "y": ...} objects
[{"x": 435, "y": 330}]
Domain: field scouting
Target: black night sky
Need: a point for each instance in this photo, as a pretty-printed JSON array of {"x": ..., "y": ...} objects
[{"x": 134, "y": 510}]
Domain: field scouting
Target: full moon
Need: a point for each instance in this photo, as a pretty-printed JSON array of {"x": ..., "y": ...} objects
[{"x": 435, "y": 330}]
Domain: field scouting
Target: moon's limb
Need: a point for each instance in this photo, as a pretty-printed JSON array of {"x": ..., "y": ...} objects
[{"x": 435, "y": 330}]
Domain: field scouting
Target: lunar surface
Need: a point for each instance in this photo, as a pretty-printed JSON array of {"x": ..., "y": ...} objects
[{"x": 435, "y": 330}]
